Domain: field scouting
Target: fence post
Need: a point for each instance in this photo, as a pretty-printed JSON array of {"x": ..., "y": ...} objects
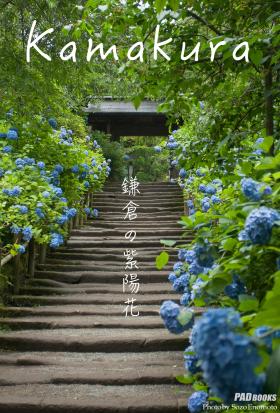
[
  {"x": 31, "y": 258},
  {"x": 42, "y": 253},
  {"x": 16, "y": 274}
]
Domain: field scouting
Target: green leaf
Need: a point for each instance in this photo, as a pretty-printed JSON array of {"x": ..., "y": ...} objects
[
  {"x": 229, "y": 244},
  {"x": 266, "y": 144},
  {"x": 248, "y": 303},
  {"x": 272, "y": 385},
  {"x": 256, "y": 57},
  {"x": 159, "y": 5},
  {"x": 162, "y": 259},
  {"x": 174, "y": 4},
  {"x": 168, "y": 242},
  {"x": 185, "y": 317},
  {"x": 185, "y": 379}
]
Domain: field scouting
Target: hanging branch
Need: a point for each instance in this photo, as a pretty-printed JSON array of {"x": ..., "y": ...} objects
[{"x": 205, "y": 22}]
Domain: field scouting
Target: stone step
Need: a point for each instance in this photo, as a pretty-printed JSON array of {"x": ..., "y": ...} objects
[
  {"x": 51, "y": 398},
  {"x": 67, "y": 255},
  {"x": 75, "y": 309},
  {"x": 95, "y": 233},
  {"x": 110, "y": 265},
  {"x": 120, "y": 209},
  {"x": 121, "y": 243},
  {"x": 89, "y": 288},
  {"x": 101, "y": 266},
  {"x": 83, "y": 309},
  {"x": 119, "y": 225},
  {"x": 39, "y": 322},
  {"x": 91, "y": 340},
  {"x": 100, "y": 276},
  {"x": 92, "y": 298},
  {"x": 90, "y": 368}
]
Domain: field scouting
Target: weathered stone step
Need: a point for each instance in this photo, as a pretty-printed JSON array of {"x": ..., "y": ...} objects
[
  {"x": 37, "y": 358},
  {"x": 63, "y": 288},
  {"x": 99, "y": 276},
  {"x": 110, "y": 266},
  {"x": 67, "y": 255},
  {"x": 141, "y": 201},
  {"x": 145, "y": 251},
  {"x": 118, "y": 209},
  {"x": 93, "y": 398},
  {"x": 92, "y": 298},
  {"x": 113, "y": 233},
  {"x": 119, "y": 225},
  {"x": 120, "y": 243},
  {"x": 75, "y": 309},
  {"x": 99, "y": 339},
  {"x": 52, "y": 322},
  {"x": 102, "y": 373}
]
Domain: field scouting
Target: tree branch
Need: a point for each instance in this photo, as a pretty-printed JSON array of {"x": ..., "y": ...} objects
[{"x": 205, "y": 22}]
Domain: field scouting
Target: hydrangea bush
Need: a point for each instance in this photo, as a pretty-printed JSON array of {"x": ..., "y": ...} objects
[
  {"x": 232, "y": 207},
  {"x": 45, "y": 173}
]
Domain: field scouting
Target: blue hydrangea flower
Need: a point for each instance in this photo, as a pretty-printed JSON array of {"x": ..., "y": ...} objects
[
  {"x": 228, "y": 359},
  {"x": 87, "y": 211},
  {"x": 177, "y": 266},
  {"x": 14, "y": 192},
  {"x": 56, "y": 240},
  {"x": 3, "y": 135},
  {"x": 210, "y": 190},
  {"x": 254, "y": 190},
  {"x": 236, "y": 288},
  {"x": 191, "y": 360},
  {"x": 169, "y": 312},
  {"x": 157, "y": 149},
  {"x": 171, "y": 143},
  {"x": 196, "y": 401},
  {"x": 185, "y": 298},
  {"x": 53, "y": 123},
  {"x": 62, "y": 219},
  {"x": 45, "y": 194},
  {"x": 57, "y": 191},
  {"x": 12, "y": 135},
  {"x": 203, "y": 253},
  {"x": 202, "y": 187},
  {"x": 21, "y": 249},
  {"x": 86, "y": 184},
  {"x": 7, "y": 149},
  {"x": 200, "y": 173},
  {"x": 182, "y": 254},
  {"x": 190, "y": 256},
  {"x": 39, "y": 212},
  {"x": 205, "y": 206},
  {"x": 15, "y": 229},
  {"x": 27, "y": 234},
  {"x": 20, "y": 163},
  {"x": 197, "y": 289},
  {"x": 190, "y": 203},
  {"x": 259, "y": 224},
  {"x": 95, "y": 213},
  {"x": 22, "y": 209},
  {"x": 215, "y": 199},
  {"x": 172, "y": 277},
  {"x": 75, "y": 169},
  {"x": 71, "y": 213},
  {"x": 182, "y": 173},
  {"x": 58, "y": 168},
  {"x": 41, "y": 165},
  {"x": 181, "y": 283}
]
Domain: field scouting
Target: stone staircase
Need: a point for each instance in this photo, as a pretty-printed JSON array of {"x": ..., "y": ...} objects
[{"x": 69, "y": 347}]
